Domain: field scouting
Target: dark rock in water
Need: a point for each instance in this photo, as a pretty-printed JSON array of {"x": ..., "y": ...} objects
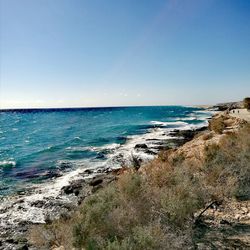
[
  {"x": 65, "y": 165},
  {"x": 107, "y": 170},
  {"x": 48, "y": 174},
  {"x": 36, "y": 173},
  {"x": 142, "y": 146},
  {"x": 100, "y": 181},
  {"x": 20, "y": 192},
  {"x": 100, "y": 155},
  {"x": 3, "y": 189},
  {"x": 99, "y": 170},
  {"x": 120, "y": 159},
  {"x": 74, "y": 187},
  {"x": 176, "y": 130},
  {"x": 186, "y": 135},
  {"x": 121, "y": 139},
  {"x": 38, "y": 203},
  {"x": 150, "y": 152},
  {"x": 88, "y": 171},
  {"x": 19, "y": 201},
  {"x": 161, "y": 147},
  {"x": 68, "y": 189}
]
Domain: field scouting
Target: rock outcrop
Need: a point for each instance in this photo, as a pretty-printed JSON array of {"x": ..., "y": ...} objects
[{"x": 193, "y": 152}]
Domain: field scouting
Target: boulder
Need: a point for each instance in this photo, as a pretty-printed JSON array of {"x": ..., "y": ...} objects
[
  {"x": 88, "y": 171},
  {"x": 74, "y": 187},
  {"x": 141, "y": 146}
]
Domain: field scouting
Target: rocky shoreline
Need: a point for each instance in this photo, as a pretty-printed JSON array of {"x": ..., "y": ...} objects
[{"x": 14, "y": 230}]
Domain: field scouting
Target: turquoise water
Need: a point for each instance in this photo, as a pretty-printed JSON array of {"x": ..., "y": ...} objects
[{"x": 37, "y": 145}]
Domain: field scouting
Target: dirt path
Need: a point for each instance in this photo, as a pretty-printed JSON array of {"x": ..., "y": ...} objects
[
  {"x": 225, "y": 227},
  {"x": 241, "y": 113}
]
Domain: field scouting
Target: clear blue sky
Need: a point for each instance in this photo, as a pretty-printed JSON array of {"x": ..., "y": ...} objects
[{"x": 64, "y": 53}]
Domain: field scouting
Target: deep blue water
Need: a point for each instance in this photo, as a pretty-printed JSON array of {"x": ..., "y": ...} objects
[{"x": 36, "y": 144}]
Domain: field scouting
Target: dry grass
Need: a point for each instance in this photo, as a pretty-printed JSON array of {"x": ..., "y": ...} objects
[
  {"x": 56, "y": 234},
  {"x": 207, "y": 136},
  {"x": 217, "y": 124}
]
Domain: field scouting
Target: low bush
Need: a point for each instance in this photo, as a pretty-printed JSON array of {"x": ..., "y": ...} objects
[
  {"x": 135, "y": 214},
  {"x": 227, "y": 167}
]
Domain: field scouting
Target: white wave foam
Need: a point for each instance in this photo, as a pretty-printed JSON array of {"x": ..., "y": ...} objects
[
  {"x": 202, "y": 111},
  {"x": 7, "y": 163},
  {"x": 76, "y": 148},
  {"x": 204, "y": 115},
  {"x": 77, "y": 138},
  {"x": 112, "y": 146},
  {"x": 188, "y": 118},
  {"x": 124, "y": 154},
  {"x": 195, "y": 126},
  {"x": 180, "y": 123},
  {"x": 22, "y": 209},
  {"x": 207, "y": 113}
]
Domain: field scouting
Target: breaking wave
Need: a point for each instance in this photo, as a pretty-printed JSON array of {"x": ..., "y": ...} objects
[{"x": 7, "y": 163}]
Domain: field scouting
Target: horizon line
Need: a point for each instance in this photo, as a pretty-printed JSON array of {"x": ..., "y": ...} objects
[{"x": 92, "y": 107}]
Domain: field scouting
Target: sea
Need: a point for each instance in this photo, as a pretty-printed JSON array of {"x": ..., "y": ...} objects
[{"x": 40, "y": 146}]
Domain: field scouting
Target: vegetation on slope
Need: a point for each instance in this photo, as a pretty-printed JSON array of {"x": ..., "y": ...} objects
[{"x": 157, "y": 206}]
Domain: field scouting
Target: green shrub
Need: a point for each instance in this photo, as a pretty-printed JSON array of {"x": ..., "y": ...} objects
[
  {"x": 181, "y": 198},
  {"x": 93, "y": 224},
  {"x": 131, "y": 214},
  {"x": 227, "y": 167}
]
